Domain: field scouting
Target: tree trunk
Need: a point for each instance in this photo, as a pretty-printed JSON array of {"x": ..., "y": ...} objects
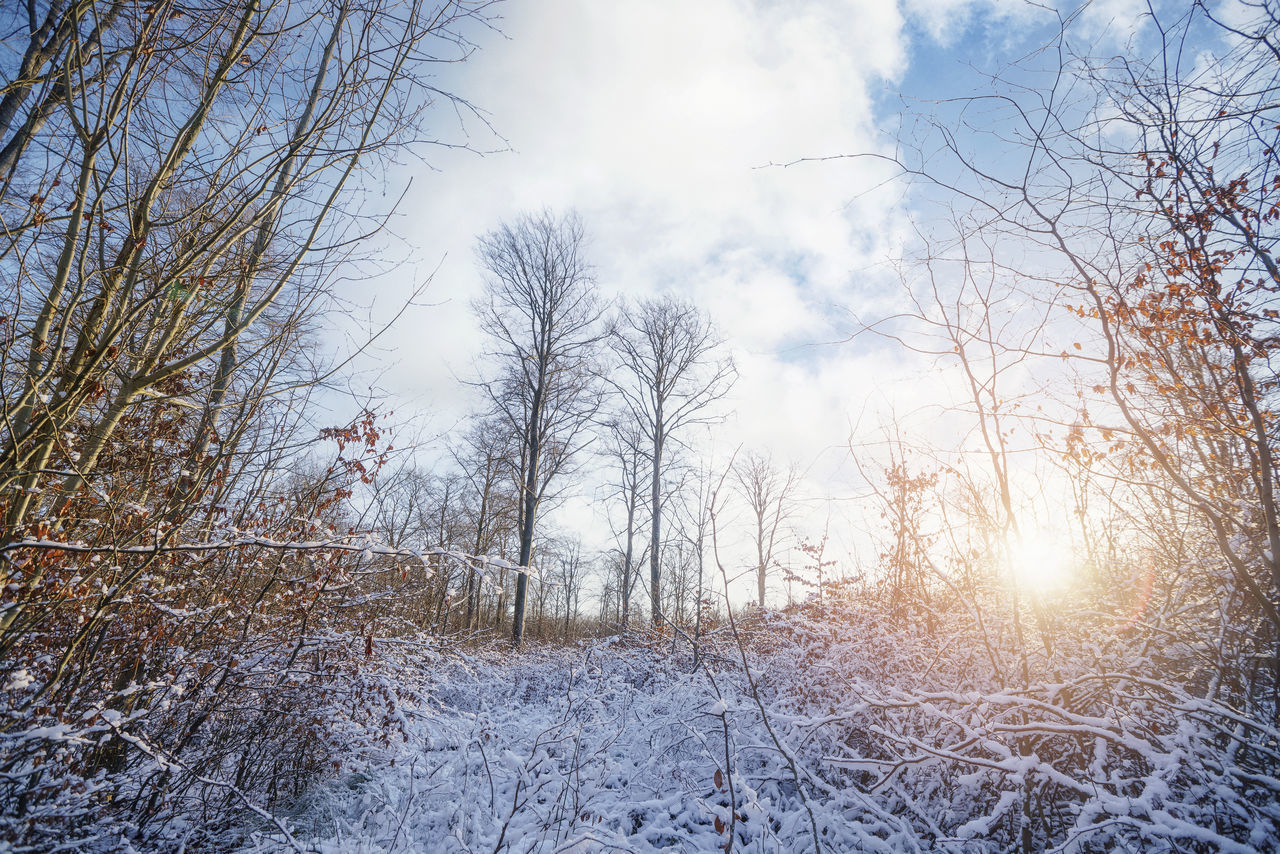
[
  {"x": 655, "y": 588},
  {"x": 526, "y": 540},
  {"x": 627, "y": 559}
]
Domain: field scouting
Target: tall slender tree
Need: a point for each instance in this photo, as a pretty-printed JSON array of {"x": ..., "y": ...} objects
[
  {"x": 542, "y": 311},
  {"x": 626, "y": 456},
  {"x": 769, "y": 494},
  {"x": 483, "y": 454},
  {"x": 673, "y": 371}
]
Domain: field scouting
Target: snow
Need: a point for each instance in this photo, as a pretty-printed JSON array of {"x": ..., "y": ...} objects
[
  {"x": 18, "y": 680},
  {"x": 856, "y": 729},
  {"x": 622, "y": 745}
]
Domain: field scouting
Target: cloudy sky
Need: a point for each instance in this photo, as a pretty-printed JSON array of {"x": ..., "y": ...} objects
[{"x": 666, "y": 124}]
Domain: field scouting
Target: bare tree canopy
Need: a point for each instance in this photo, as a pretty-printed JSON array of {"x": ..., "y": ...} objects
[
  {"x": 672, "y": 373},
  {"x": 769, "y": 494},
  {"x": 176, "y": 187},
  {"x": 625, "y": 453},
  {"x": 543, "y": 313}
]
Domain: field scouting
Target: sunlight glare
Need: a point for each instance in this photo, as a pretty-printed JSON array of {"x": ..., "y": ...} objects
[{"x": 1041, "y": 561}]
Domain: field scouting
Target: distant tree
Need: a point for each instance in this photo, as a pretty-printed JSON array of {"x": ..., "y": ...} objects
[
  {"x": 672, "y": 372},
  {"x": 701, "y": 500},
  {"x": 770, "y": 495},
  {"x": 402, "y": 507},
  {"x": 542, "y": 311},
  {"x": 904, "y": 497},
  {"x": 625, "y": 454},
  {"x": 483, "y": 454},
  {"x": 568, "y": 572}
]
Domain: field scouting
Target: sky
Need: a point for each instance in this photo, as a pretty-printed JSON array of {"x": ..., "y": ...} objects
[{"x": 674, "y": 129}]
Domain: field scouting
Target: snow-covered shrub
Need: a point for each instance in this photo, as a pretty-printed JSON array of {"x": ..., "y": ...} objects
[{"x": 882, "y": 736}]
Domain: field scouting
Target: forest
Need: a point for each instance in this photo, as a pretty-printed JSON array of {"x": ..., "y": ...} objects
[{"x": 593, "y": 589}]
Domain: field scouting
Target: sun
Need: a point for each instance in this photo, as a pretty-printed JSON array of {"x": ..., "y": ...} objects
[{"x": 1041, "y": 561}]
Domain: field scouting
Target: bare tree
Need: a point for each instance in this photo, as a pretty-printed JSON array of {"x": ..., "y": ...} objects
[
  {"x": 180, "y": 185},
  {"x": 1131, "y": 199},
  {"x": 1142, "y": 185},
  {"x": 542, "y": 311},
  {"x": 701, "y": 502},
  {"x": 626, "y": 454},
  {"x": 568, "y": 572},
  {"x": 769, "y": 494},
  {"x": 170, "y": 250},
  {"x": 483, "y": 456},
  {"x": 673, "y": 372}
]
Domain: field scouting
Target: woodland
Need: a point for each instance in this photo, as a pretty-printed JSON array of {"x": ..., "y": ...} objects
[{"x": 233, "y": 621}]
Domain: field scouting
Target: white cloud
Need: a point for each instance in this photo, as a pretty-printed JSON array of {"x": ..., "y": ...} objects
[{"x": 657, "y": 119}]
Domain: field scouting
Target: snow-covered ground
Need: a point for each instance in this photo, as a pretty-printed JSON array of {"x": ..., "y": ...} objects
[
  {"x": 600, "y": 747},
  {"x": 878, "y": 736}
]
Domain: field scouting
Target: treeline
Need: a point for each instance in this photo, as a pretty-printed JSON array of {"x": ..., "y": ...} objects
[{"x": 573, "y": 383}]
